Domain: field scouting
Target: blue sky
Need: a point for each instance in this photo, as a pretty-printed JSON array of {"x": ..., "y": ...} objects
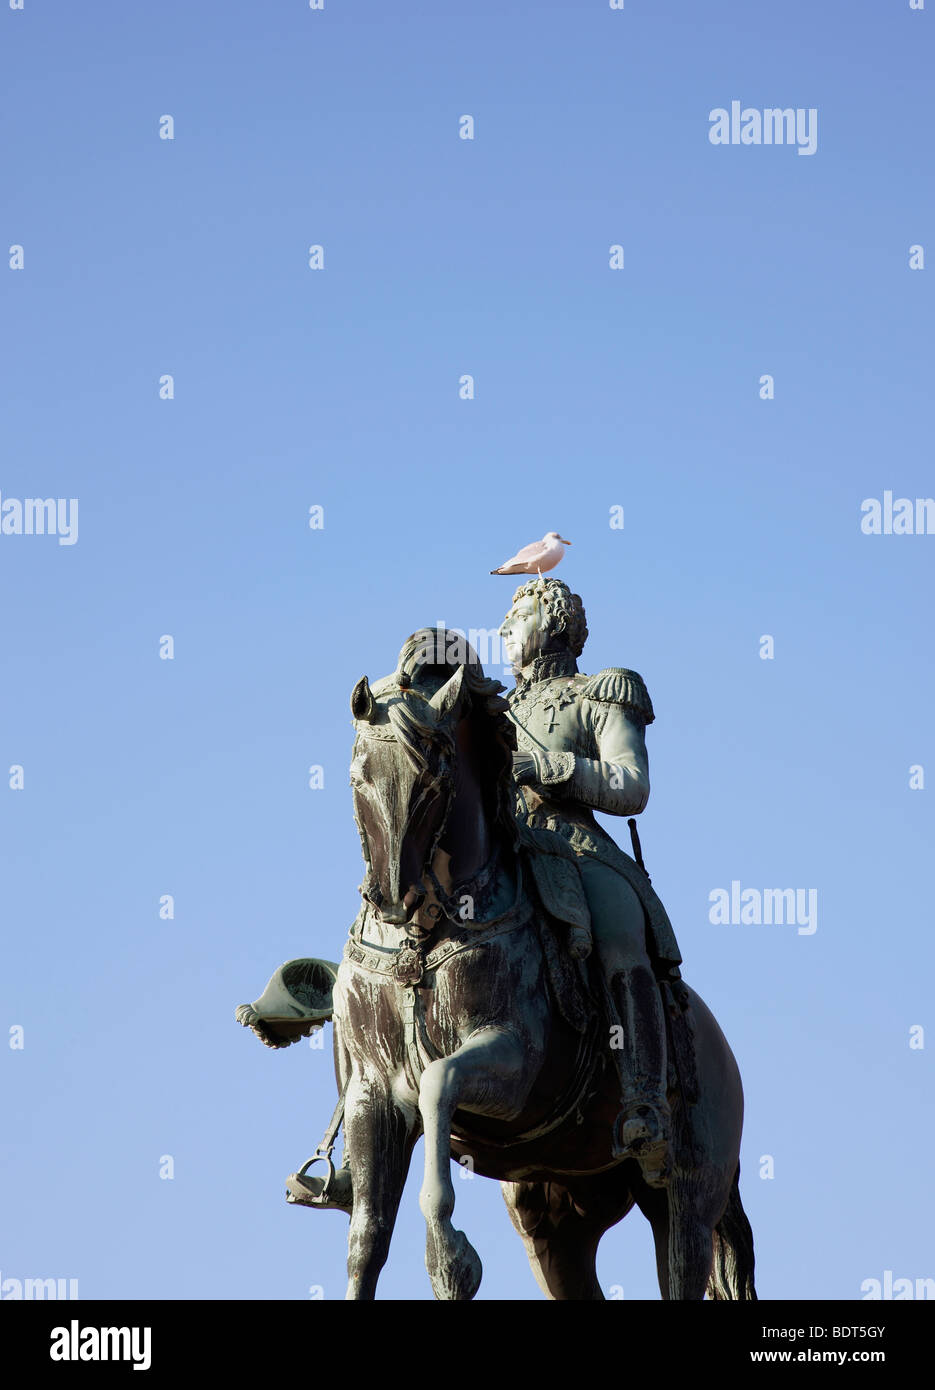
[{"x": 594, "y": 388}]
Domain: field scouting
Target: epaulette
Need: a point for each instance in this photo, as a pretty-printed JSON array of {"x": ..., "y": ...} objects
[{"x": 616, "y": 686}]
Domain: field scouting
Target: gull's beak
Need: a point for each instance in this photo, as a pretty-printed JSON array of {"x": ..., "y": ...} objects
[{"x": 563, "y": 541}]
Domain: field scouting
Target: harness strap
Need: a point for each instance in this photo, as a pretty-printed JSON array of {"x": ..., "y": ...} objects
[
  {"x": 326, "y": 1147},
  {"x": 407, "y": 963},
  {"x": 383, "y": 960},
  {"x": 334, "y": 1124}
]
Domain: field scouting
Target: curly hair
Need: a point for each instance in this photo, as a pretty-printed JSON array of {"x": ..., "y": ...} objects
[{"x": 564, "y": 610}]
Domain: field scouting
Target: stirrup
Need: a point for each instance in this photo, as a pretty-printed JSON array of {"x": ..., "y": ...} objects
[
  {"x": 331, "y": 1192},
  {"x": 647, "y": 1142}
]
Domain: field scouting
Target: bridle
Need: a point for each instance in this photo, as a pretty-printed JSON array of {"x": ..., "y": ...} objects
[{"x": 436, "y": 780}]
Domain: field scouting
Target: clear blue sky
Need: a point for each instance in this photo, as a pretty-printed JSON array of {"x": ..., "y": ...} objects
[{"x": 594, "y": 388}]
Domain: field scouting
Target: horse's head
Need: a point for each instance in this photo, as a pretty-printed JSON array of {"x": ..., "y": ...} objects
[{"x": 405, "y": 771}]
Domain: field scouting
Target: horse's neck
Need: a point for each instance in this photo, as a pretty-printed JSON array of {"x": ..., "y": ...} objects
[
  {"x": 474, "y": 872},
  {"x": 495, "y": 896},
  {"x": 468, "y": 842},
  {"x": 474, "y": 860},
  {"x": 473, "y": 866}
]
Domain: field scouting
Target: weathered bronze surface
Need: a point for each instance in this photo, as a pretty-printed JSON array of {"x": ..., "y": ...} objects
[{"x": 510, "y": 987}]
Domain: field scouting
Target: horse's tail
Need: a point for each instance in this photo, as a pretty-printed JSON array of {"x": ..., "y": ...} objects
[{"x": 732, "y": 1270}]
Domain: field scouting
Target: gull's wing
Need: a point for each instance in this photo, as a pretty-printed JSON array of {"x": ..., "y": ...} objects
[{"x": 529, "y": 552}]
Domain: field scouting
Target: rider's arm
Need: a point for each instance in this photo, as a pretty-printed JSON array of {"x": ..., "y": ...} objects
[
  {"x": 617, "y": 782},
  {"x": 614, "y": 709}
]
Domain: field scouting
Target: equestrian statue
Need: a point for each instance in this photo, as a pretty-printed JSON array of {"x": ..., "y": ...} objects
[{"x": 511, "y": 987}]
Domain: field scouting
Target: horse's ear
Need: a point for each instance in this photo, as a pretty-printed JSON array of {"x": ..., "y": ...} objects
[
  {"x": 445, "y": 698},
  {"x": 362, "y": 701}
]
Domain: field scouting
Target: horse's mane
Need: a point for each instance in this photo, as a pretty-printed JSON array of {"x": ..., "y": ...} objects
[{"x": 428, "y": 659}]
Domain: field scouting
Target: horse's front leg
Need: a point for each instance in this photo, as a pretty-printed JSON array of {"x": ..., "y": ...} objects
[
  {"x": 380, "y": 1133},
  {"x": 488, "y": 1075}
]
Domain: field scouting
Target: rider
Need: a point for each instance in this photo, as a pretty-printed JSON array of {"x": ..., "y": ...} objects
[{"x": 581, "y": 748}]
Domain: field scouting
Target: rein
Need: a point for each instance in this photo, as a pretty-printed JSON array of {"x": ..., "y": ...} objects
[{"x": 409, "y": 961}]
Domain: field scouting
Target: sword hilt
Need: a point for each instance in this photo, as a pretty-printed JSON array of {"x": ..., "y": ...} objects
[{"x": 637, "y": 848}]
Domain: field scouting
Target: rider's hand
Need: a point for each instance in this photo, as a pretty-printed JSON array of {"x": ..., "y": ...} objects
[{"x": 525, "y": 768}]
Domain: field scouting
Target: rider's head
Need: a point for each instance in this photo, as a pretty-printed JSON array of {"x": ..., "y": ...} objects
[{"x": 546, "y": 617}]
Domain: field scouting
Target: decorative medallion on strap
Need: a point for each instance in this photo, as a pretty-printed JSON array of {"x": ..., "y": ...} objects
[{"x": 409, "y": 965}]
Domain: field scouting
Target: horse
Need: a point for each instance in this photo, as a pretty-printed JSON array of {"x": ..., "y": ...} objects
[{"x": 459, "y": 1014}]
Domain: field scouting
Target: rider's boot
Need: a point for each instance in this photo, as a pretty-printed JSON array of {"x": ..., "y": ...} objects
[{"x": 643, "y": 1127}]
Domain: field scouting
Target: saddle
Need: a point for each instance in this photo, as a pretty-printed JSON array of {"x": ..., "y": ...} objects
[
  {"x": 554, "y": 870},
  {"x": 554, "y": 867}
]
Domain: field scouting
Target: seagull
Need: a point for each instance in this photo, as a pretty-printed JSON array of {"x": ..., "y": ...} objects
[{"x": 534, "y": 558}]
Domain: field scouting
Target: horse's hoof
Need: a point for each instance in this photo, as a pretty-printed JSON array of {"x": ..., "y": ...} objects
[{"x": 456, "y": 1275}]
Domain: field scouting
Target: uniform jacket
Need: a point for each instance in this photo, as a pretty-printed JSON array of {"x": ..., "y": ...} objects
[{"x": 587, "y": 736}]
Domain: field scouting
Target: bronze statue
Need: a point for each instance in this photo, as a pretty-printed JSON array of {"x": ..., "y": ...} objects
[
  {"x": 468, "y": 1006},
  {"x": 581, "y": 748}
]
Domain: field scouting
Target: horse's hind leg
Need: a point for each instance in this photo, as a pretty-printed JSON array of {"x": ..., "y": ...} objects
[
  {"x": 561, "y": 1228},
  {"x": 683, "y": 1216},
  {"x": 380, "y": 1135},
  {"x": 653, "y": 1202},
  {"x": 695, "y": 1203}
]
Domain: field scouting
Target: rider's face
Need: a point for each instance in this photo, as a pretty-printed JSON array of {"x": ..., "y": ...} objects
[{"x": 523, "y": 631}]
